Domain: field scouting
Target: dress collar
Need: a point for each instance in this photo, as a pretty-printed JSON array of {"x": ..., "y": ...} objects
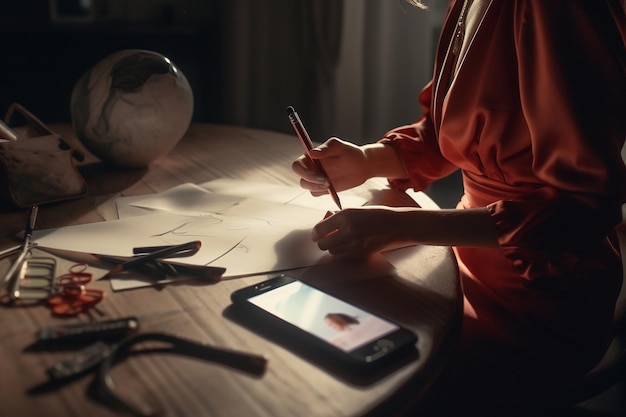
[{"x": 470, "y": 15}]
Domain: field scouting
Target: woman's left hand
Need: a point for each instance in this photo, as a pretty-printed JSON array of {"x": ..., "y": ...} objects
[{"x": 355, "y": 233}]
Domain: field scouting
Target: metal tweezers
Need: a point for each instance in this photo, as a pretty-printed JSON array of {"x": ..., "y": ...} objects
[{"x": 18, "y": 268}]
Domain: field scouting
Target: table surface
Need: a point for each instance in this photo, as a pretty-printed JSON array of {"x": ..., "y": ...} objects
[{"x": 416, "y": 286}]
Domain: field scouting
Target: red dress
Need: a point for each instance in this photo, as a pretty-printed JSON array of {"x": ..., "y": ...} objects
[{"x": 535, "y": 118}]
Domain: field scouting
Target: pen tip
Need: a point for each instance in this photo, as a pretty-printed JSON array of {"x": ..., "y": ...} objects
[{"x": 290, "y": 110}]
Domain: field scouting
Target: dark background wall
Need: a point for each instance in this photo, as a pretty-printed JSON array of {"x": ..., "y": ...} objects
[
  {"x": 48, "y": 44},
  {"x": 245, "y": 59},
  {"x": 353, "y": 68}
]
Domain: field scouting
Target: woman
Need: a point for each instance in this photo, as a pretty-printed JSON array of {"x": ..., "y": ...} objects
[{"x": 528, "y": 99}]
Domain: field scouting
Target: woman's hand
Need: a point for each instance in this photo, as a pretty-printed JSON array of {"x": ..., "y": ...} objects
[
  {"x": 344, "y": 163},
  {"x": 355, "y": 233}
]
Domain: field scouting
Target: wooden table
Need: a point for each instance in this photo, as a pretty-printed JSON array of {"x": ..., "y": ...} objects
[{"x": 422, "y": 293}]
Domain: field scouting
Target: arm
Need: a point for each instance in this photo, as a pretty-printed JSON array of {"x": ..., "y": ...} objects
[
  {"x": 383, "y": 161},
  {"x": 576, "y": 126},
  {"x": 409, "y": 156},
  {"x": 354, "y": 233},
  {"x": 347, "y": 165},
  {"x": 417, "y": 147}
]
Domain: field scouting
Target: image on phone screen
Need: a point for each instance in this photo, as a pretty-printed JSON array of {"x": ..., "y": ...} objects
[{"x": 331, "y": 319}]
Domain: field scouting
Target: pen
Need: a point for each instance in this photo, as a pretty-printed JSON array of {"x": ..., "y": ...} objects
[
  {"x": 308, "y": 145},
  {"x": 149, "y": 249},
  {"x": 159, "y": 254}
]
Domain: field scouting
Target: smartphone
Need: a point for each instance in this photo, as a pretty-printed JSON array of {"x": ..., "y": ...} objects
[{"x": 321, "y": 321}]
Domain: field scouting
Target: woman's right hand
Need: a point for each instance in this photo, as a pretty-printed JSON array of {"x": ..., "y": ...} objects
[{"x": 345, "y": 164}]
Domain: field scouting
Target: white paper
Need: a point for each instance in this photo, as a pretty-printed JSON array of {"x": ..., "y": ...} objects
[
  {"x": 118, "y": 237},
  {"x": 282, "y": 194},
  {"x": 126, "y": 207},
  {"x": 187, "y": 199},
  {"x": 247, "y": 228},
  {"x": 272, "y": 250}
]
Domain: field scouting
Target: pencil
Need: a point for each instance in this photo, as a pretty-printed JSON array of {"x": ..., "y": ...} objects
[{"x": 296, "y": 122}]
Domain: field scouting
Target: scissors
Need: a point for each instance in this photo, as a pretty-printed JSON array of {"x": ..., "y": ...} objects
[{"x": 73, "y": 296}]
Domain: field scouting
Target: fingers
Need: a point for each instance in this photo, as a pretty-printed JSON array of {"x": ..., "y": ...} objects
[
  {"x": 326, "y": 234},
  {"x": 306, "y": 169},
  {"x": 345, "y": 250},
  {"x": 355, "y": 233},
  {"x": 316, "y": 190},
  {"x": 332, "y": 147},
  {"x": 325, "y": 228},
  {"x": 310, "y": 179}
]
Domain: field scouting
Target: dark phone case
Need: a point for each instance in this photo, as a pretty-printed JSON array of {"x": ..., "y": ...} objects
[{"x": 311, "y": 347}]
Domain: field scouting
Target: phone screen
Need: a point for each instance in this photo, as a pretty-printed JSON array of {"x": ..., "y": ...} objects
[{"x": 331, "y": 319}]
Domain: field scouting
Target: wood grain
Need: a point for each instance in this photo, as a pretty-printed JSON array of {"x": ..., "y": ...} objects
[{"x": 417, "y": 286}]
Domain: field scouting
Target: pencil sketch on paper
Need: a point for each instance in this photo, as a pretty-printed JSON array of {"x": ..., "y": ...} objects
[
  {"x": 119, "y": 237},
  {"x": 194, "y": 227}
]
